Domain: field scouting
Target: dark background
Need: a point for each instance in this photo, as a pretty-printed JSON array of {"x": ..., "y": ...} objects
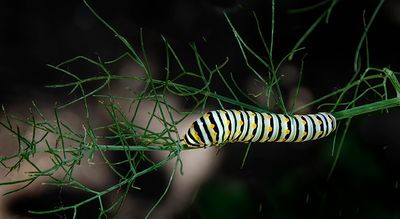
[{"x": 277, "y": 181}]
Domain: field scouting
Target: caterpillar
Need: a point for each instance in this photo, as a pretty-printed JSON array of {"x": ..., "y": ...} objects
[{"x": 223, "y": 126}]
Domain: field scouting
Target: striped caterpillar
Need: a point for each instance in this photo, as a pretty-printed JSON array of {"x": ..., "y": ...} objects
[{"x": 223, "y": 126}]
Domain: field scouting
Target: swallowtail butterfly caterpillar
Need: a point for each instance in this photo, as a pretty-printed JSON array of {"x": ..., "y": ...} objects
[{"x": 223, "y": 126}]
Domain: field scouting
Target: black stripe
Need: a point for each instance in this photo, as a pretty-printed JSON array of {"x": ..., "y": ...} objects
[
  {"x": 248, "y": 124},
  {"x": 190, "y": 144},
  {"x": 192, "y": 137},
  {"x": 232, "y": 128},
  {"x": 254, "y": 130},
  {"x": 242, "y": 116},
  {"x": 330, "y": 124},
  {"x": 324, "y": 123},
  {"x": 305, "y": 127},
  {"x": 272, "y": 124},
  {"x": 205, "y": 129},
  {"x": 197, "y": 129},
  {"x": 321, "y": 127},
  {"x": 212, "y": 121},
  {"x": 262, "y": 128},
  {"x": 289, "y": 126},
  {"x": 314, "y": 127},
  {"x": 221, "y": 133},
  {"x": 333, "y": 121},
  {"x": 296, "y": 128},
  {"x": 280, "y": 127}
]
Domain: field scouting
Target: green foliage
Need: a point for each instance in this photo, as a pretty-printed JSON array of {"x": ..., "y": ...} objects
[{"x": 74, "y": 147}]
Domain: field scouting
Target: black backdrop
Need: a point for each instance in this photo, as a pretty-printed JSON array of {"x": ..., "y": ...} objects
[{"x": 36, "y": 33}]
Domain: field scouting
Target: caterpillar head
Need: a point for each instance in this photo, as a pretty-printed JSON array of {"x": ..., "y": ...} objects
[{"x": 192, "y": 137}]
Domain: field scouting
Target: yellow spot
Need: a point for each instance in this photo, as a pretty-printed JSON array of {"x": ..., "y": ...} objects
[
  {"x": 254, "y": 126},
  {"x": 252, "y": 114},
  {"x": 251, "y": 136},
  {"x": 304, "y": 121},
  {"x": 286, "y": 120},
  {"x": 223, "y": 112},
  {"x": 228, "y": 122},
  {"x": 196, "y": 136},
  {"x": 305, "y": 133},
  {"x": 237, "y": 112},
  {"x": 228, "y": 131},
  {"x": 319, "y": 122},
  {"x": 215, "y": 134},
  {"x": 207, "y": 115},
  {"x": 212, "y": 126},
  {"x": 287, "y": 131},
  {"x": 269, "y": 117},
  {"x": 269, "y": 129},
  {"x": 240, "y": 123},
  {"x": 319, "y": 133}
]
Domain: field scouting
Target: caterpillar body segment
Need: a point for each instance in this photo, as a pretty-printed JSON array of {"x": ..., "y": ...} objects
[{"x": 223, "y": 126}]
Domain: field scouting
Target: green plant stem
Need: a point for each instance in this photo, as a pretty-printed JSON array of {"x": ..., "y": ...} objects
[{"x": 367, "y": 108}]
